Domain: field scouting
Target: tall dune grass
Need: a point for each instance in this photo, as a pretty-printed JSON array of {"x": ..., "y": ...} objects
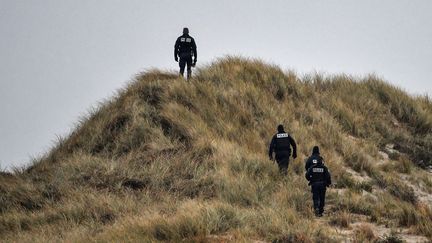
[{"x": 171, "y": 160}]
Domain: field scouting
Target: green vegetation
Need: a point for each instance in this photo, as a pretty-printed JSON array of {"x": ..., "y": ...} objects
[{"x": 172, "y": 160}]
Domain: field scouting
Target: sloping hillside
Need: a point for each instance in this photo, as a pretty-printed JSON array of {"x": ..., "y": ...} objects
[{"x": 172, "y": 160}]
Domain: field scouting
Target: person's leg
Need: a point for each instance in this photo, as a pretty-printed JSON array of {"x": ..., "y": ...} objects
[
  {"x": 182, "y": 64},
  {"x": 283, "y": 164},
  {"x": 322, "y": 199},
  {"x": 316, "y": 199},
  {"x": 189, "y": 67},
  {"x": 283, "y": 168}
]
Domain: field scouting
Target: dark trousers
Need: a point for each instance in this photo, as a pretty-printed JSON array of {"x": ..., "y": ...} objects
[
  {"x": 186, "y": 61},
  {"x": 318, "y": 196},
  {"x": 283, "y": 162}
]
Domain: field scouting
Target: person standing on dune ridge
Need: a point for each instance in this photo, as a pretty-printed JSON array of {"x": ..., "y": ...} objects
[{"x": 185, "y": 48}]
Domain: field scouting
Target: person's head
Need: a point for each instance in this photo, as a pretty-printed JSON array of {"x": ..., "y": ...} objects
[
  {"x": 280, "y": 128},
  {"x": 315, "y": 150},
  {"x": 185, "y": 31}
]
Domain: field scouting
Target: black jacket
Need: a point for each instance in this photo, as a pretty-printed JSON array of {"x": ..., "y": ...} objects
[
  {"x": 318, "y": 173},
  {"x": 281, "y": 144},
  {"x": 185, "y": 47},
  {"x": 312, "y": 160}
]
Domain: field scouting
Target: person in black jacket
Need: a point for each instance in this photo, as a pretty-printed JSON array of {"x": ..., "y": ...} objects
[
  {"x": 319, "y": 179},
  {"x": 281, "y": 144},
  {"x": 314, "y": 158},
  {"x": 185, "y": 48}
]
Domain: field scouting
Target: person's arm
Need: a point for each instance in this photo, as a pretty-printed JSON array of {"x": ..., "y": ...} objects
[
  {"x": 194, "y": 49},
  {"x": 308, "y": 163},
  {"x": 271, "y": 148},
  {"x": 176, "y": 49},
  {"x": 307, "y": 175},
  {"x": 294, "y": 146}
]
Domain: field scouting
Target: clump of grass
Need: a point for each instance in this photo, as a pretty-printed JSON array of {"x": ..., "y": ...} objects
[
  {"x": 293, "y": 237},
  {"x": 405, "y": 165},
  {"x": 346, "y": 181},
  {"x": 408, "y": 216},
  {"x": 396, "y": 187},
  {"x": 18, "y": 193},
  {"x": 424, "y": 226},
  {"x": 341, "y": 219},
  {"x": 401, "y": 191},
  {"x": 391, "y": 238},
  {"x": 364, "y": 233},
  {"x": 401, "y": 164},
  {"x": 358, "y": 160},
  {"x": 355, "y": 203},
  {"x": 192, "y": 220},
  {"x": 427, "y": 182}
]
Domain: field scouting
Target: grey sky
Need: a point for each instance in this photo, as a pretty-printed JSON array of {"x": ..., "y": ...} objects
[{"x": 58, "y": 58}]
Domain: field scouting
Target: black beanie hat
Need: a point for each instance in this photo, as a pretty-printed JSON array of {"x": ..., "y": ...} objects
[
  {"x": 315, "y": 150},
  {"x": 280, "y": 128}
]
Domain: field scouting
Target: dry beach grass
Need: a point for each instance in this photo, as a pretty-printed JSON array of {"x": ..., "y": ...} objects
[{"x": 175, "y": 160}]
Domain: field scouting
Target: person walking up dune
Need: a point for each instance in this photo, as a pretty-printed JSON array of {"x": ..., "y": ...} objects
[
  {"x": 319, "y": 179},
  {"x": 281, "y": 144}
]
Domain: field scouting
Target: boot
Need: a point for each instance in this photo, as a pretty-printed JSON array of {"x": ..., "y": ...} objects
[
  {"x": 189, "y": 74},
  {"x": 317, "y": 213}
]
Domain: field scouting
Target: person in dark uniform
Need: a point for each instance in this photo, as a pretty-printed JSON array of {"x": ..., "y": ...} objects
[
  {"x": 314, "y": 158},
  {"x": 319, "y": 179},
  {"x": 185, "y": 48},
  {"x": 281, "y": 144}
]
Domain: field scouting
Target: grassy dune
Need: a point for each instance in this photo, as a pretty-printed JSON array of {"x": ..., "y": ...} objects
[{"x": 172, "y": 160}]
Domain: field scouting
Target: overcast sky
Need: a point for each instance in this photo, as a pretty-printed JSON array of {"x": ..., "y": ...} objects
[{"x": 58, "y": 58}]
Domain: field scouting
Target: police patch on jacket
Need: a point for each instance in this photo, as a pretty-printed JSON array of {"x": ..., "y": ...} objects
[
  {"x": 185, "y": 39},
  {"x": 282, "y": 135},
  {"x": 318, "y": 170}
]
